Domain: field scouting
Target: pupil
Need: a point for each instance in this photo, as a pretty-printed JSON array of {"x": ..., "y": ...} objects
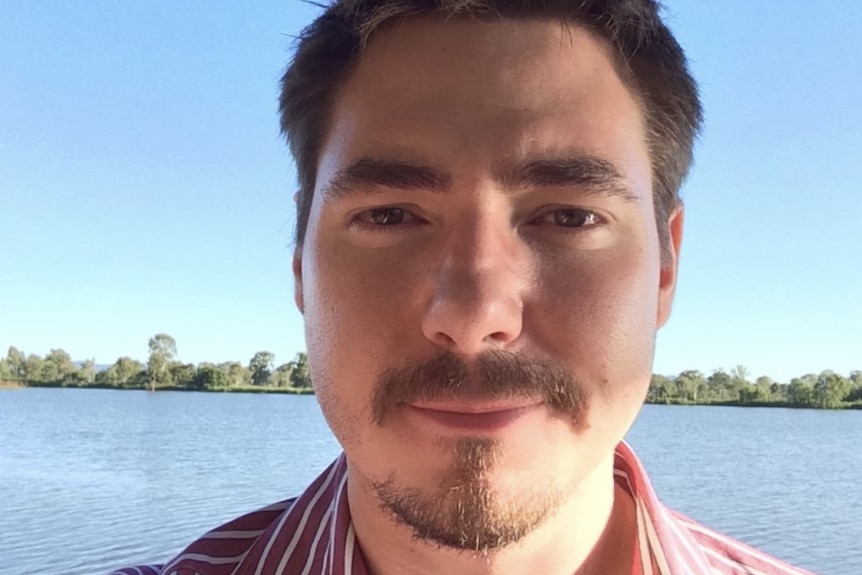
[
  {"x": 389, "y": 216},
  {"x": 570, "y": 218}
]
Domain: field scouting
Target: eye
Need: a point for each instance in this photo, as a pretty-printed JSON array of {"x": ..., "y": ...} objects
[
  {"x": 571, "y": 218},
  {"x": 385, "y": 217}
]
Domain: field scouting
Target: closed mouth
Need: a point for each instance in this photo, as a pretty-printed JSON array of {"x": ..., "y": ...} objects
[{"x": 475, "y": 416}]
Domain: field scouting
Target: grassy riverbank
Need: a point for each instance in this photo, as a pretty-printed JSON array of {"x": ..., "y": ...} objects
[
  {"x": 780, "y": 404},
  {"x": 309, "y": 391},
  {"x": 234, "y": 389}
]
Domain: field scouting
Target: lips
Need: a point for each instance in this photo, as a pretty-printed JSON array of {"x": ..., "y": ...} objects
[{"x": 474, "y": 417}]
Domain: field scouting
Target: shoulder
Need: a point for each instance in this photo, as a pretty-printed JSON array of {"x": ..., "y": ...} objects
[
  {"x": 674, "y": 543},
  {"x": 727, "y": 555},
  {"x": 295, "y": 529},
  {"x": 219, "y": 550},
  {"x": 139, "y": 570}
]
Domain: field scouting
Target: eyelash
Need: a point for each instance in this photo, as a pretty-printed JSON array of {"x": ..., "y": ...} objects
[
  {"x": 365, "y": 221},
  {"x": 579, "y": 213}
]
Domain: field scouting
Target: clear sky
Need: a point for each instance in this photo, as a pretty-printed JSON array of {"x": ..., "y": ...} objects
[{"x": 144, "y": 187}]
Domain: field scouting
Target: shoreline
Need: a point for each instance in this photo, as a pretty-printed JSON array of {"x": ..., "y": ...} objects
[{"x": 14, "y": 385}]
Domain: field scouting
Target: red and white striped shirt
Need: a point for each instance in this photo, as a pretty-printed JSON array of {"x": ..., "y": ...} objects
[{"x": 313, "y": 535}]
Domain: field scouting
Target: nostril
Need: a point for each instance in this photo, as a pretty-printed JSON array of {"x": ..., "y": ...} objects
[
  {"x": 442, "y": 340},
  {"x": 471, "y": 330}
]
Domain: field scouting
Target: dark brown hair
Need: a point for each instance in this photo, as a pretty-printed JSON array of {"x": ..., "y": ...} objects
[{"x": 649, "y": 60}]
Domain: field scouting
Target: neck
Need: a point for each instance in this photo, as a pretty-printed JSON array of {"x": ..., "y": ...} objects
[{"x": 592, "y": 533}]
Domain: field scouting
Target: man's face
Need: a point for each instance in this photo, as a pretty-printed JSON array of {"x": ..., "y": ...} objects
[{"x": 481, "y": 278}]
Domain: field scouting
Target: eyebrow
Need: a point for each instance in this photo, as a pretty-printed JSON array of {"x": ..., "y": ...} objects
[
  {"x": 591, "y": 174},
  {"x": 368, "y": 173}
]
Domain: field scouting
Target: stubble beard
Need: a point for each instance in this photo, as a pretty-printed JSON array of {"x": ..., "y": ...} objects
[{"x": 466, "y": 512}]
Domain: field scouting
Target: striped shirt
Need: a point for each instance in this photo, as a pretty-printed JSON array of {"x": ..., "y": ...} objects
[{"x": 313, "y": 535}]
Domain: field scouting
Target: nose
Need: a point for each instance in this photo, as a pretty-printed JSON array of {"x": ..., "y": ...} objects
[{"x": 478, "y": 283}]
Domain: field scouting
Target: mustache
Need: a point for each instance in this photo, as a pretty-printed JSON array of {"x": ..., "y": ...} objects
[{"x": 494, "y": 375}]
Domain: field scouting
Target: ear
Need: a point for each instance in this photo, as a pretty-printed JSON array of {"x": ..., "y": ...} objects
[
  {"x": 670, "y": 268},
  {"x": 297, "y": 278}
]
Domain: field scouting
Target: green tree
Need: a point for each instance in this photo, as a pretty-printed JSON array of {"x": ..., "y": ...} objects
[
  {"x": 87, "y": 371},
  {"x": 662, "y": 389},
  {"x": 163, "y": 349},
  {"x": 121, "y": 373},
  {"x": 209, "y": 377},
  {"x": 689, "y": 384},
  {"x": 778, "y": 392},
  {"x": 740, "y": 373},
  {"x": 800, "y": 392},
  {"x": 281, "y": 376},
  {"x": 236, "y": 373},
  {"x": 765, "y": 384},
  {"x": 33, "y": 368},
  {"x": 300, "y": 376},
  {"x": 720, "y": 386},
  {"x": 739, "y": 384},
  {"x": 830, "y": 389},
  {"x": 752, "y": 394},
  {"x": 855, "y": 380},
  {"x": 260, "y": 367},
  {"x": 107, "y": 378},
  {"x": 16, "y": 361},
  {"x": 56, "y": 366},
  {"x": 127, "y": 369},
  {"x": 182, "y": 374}
]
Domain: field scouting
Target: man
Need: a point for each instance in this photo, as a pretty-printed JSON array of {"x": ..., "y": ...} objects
[{"x": 488, "y": 239}]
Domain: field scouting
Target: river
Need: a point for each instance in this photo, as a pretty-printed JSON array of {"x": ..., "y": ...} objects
[{"x": 95, "y": 479}]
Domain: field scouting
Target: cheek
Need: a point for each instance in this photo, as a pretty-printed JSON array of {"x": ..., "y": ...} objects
[
  {"x": 599, "y": 317},
  {"x": 356, "y": 325},
  {"x": 359, "y": 299}
]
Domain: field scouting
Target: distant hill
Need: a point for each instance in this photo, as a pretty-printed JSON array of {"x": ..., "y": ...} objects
[{"x": 99, "y": 366}]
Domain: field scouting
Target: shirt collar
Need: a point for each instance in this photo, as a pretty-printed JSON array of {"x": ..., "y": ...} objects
[
  {"x": 317, "y": 531},
  {"x": 665, "y": 547}
]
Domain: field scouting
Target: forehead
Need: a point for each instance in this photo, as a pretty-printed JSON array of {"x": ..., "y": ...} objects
[
  {"x": 489, "y": 44},
  {"x": 487, "y": 88}
]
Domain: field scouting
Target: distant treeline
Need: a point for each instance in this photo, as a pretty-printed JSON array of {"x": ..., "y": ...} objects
[
  {"x": 827, "y": 389},
  {"x": 161, "y": 371}
]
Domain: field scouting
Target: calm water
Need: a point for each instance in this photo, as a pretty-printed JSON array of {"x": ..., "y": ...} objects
[{"x": 90, "y": 479}]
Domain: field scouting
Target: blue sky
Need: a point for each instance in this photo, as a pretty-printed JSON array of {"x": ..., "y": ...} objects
[{"x": 144, "y": 187}]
